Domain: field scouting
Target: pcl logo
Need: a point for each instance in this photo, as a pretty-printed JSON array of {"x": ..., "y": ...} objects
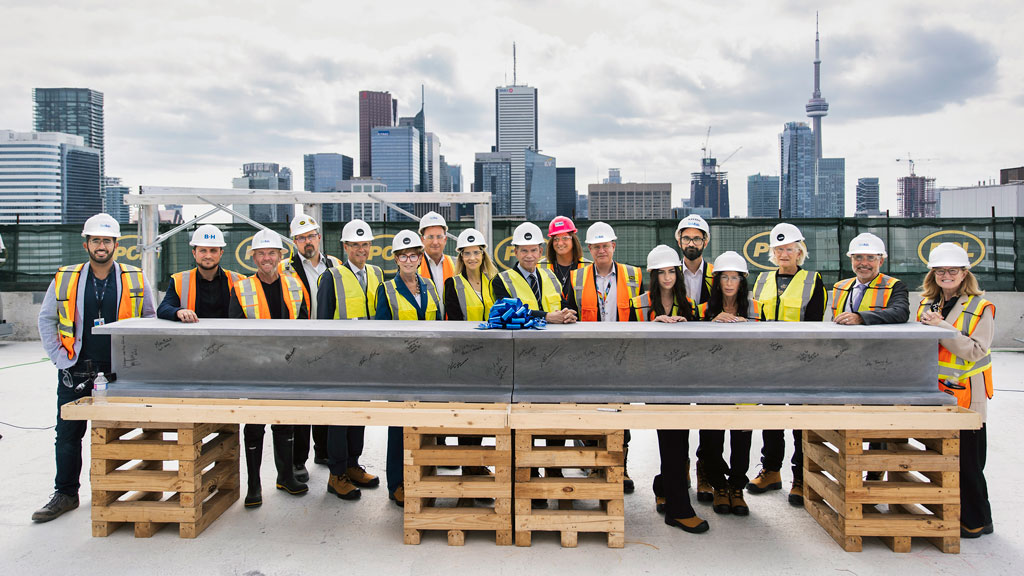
[
  {"x": 242, "y": 256},
  {"x": 757, "y": 249},
  {"x": 380, "y": 254},
  {"x": 972, "y": 244},
  {"x": 128, "y": 249},
  {"x": 504, "y": 254}
]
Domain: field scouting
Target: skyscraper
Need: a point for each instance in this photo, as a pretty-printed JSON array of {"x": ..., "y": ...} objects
[
  {"x": 113, "y": 199},
  {"x": 433, "y": 159},
  {"x": 709, "y": 188},
  {"x": 266, "y": 176},
  {"x": 796, "y": 152},
  {"x": 565, "y": 191},
  {"x": 516, "y": 131},
  {"x": 322, "y": 173},
  {"x": 396, "y": 157},
  {"x": 375, "y": 109},
  {"x": 492, "y": 172},
  {"x": 77, "y": 111},
  {"x": 867, "y": 197},
  {"x": 48, "y": 178},
  {"x": 541, "y": 186},
  {"x": 830, "y": 199},
  {"x": 915, "y": 197},
  {"x": 762, "y": 196}
]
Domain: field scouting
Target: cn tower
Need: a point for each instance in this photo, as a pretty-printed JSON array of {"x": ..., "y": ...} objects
[{"x": 817, "y": 107}]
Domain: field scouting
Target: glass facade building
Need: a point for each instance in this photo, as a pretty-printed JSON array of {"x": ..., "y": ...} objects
[
  {"x": 266, "y": 176},
  {"x": 324, "y": 172},
  {"x": 796, "y": 180},
  {"x": 830, "y": 198},
  {"x": 375, "y": 109},
  {"x": 77, "y": 111},
  {"x": 492, "y": 172},
  {"x": 516, "y": 127},
  {"x": 762, "y": 196},
  {"x": 709, "y": 188},
  {"x": 565, "y": 191},
  {"x": 83, "y": 196},
  {"x": 113, "y": 199},
  {"x": 396, "y": 162},
  {"x": 541, "y": 186},
  {"x": 48, "y": 178},
  {"x": 867, "y": 197}
]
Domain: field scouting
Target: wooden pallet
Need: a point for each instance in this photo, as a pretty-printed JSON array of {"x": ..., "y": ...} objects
[
  {"x": 603, "y": 455},
  {"x": 921, "y": 489},
  {"x": 424, "y": 486},
  {"x": 134, "y": 480}
]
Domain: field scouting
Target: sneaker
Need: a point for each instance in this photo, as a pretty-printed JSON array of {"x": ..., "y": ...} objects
[
  {"x": 705, "y": 493},
  {"x": 342, "y": 487},
  {"x": 766, "y": 480},
  {"x": 398, "y": 496},
  {"x": 59, "y": 503},
  {"x": 796, "y": 494},
  {"x": 360, "y": 477},
  {"x": 721, "y": 501},
  {"x": 693, "y": 524},
  {"x": 966, "y": 532}
]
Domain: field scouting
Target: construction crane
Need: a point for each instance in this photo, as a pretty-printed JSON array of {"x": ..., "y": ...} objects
[
  {"x": 704, "y": 148},
  {"x": 730, "y": 156},
  {"x": 911, "y": 161}
]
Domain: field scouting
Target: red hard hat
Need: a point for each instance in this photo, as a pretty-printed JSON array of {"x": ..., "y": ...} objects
[{"x": 560, "y": 225}]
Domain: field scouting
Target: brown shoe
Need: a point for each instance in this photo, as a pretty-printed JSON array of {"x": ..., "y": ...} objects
[
  {"x": 737, "y": 505},
  {"x": 693, "y": 524},
  {"x": 342, "y": 487},
  {"x": 766, "y": 480},
  {"x": 705, "y": 493},
  {"x": 796, "y": 494},
  {"x": 399, "y": 497},
  {"x": 360, "y": 477},
  {"x": 721, "y": 501}
]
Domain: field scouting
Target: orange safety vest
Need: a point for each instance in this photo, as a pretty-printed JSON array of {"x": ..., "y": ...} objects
[
  {"x": 185, "y": 285},
  {"x": 954, "y": 371},
  {"x": 628, "y": 281},
  {"x": 285, "y": 268},
  {"x": 876, "y": 295},
  {"x": 249, "y": 292},
  {"x": 66, "y": 290},
  {"x": 645, "y": 312},
  {"x": 447, "y": 267}
]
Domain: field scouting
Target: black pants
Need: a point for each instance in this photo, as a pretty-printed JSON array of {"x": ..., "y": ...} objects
[
  {"x": 302, "y": 433},
  {"x": 674, "y": 447},
  {"x": 710, "y": 452},
  {"x": 254, "y": 433},
  {"x": 344, "y": 447},
  {"x": 774, "y": 450},
  {"x": 975, "y": 511},
  {"x": 69, "y": 434}
]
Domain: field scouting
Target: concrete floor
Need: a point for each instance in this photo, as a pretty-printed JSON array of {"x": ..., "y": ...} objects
[{"x": 317, "y": 533}]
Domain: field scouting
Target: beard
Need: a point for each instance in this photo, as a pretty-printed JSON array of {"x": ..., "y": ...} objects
[
  {"x": 211, "y": 267},
  {"x": 692, "y": 252},
  {"x": 101, "y": 259},
  {"x": 309, "y": 251}
]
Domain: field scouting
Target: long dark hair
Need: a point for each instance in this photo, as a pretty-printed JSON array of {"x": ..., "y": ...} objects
[
  {"x": 715, "y": 299},
  {"x": 678, "y": 293},
  {"x": 577, "y": 250}
]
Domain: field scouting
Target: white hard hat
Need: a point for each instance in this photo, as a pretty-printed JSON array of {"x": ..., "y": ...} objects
[
  {"x": 527, "y": 234},
  {"x": 784, "y": 234},
  {"x": 101, "y": 225},
  {"x": 731, "y": 262},
  {"x": 302, "y": 224},
  {"x": 694, "y": 221},
  {"x": 866, "y": 243},
  {"x": 208, "y": 235},
  {"x": 266, "y": 239},
  {"x": 949, "y": 254},
  {"x": 406, "y": 239},
  {"x": 600, "y": 232},
  {"x": 356, "y": 231},
  {"x": 663, "y": 257},
  {"x": 470, "y": 237},
  {"x": 432, "y": 219}
]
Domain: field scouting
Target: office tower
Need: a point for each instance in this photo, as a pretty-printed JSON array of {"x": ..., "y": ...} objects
[
  {"x": 709, "y": 188},
  {"x": 266, "y": 176},
  {"x": 541, "y": 186},
  {"x": 113, "y": 199},
  {"x": 77, "y": 111},
  {"x": 433, "y": 159},
  {"x": 322, "y": 173},
  {"x": 915, "y": 197},
  {"x": 867, "y": 197},
  {"x": 614, "y": 176},
  {"x": 455, "y": 176},
  {"x": 396, "y": 163},
  {"x": 492, "y": 172},
  {"x": 796, "y": 146},
  {"x": 516, "y": 132},
  {"x": 629, "y": 201},
  {"x": 830, "y": 199},
  {"x": 582, "y": 207},
  {"x": 565, "y": 191},
  {"x": 762, "y": 196},
  {"x": 375, "y": 109}
]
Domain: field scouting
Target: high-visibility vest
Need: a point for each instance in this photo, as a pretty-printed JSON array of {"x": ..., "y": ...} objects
[
  {"x": 876, "y": 295},
  {"x": 645, "y": 312},
  {"x": 185, "y": 285},
  {"x": 473, "y": 307},
  {"x": 351, "y": 302},
  {"x": 447, "y": 268},
  {"x": 550, "y": 289},
  {"x": 753, "y": 310},
  {"x": 250, "y": 295},
  {"x": 285, "y": 268},
  {"x": 628, "y": 280},
  {"x": 956, "y": 370},
  {"x": 129, "y": 302},
  {"x": 792, "y": 305},
  {"x": 708, "y": 280},
  {"x": 402, "y": 309}
]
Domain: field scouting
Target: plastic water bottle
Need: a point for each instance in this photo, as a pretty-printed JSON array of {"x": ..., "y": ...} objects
[{"x": 99, "y": 389}]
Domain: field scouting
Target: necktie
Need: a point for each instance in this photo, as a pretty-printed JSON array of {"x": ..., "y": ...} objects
[
  {"x": 361, "y": 275},
  {"x": 858, "y": 295},
  {"x": 532, "y": 279}
]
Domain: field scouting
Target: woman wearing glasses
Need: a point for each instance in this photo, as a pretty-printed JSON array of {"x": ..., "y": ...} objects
[
  {"x": 564, "y": 252},
  {"x": 407, "y": 296},
  {"x": 788, "y": 294},
  {"x": 467, "y": 294},
  {"x": 952, "y": 299}
]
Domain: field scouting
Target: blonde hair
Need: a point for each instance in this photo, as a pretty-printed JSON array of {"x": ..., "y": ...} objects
[
  {"x": 799, "y": 261},
  {"x": 487, "y": 266},
  {"x": 969, "y": 286}
]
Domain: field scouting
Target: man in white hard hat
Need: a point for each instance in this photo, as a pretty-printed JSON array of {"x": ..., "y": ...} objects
[
  {"x": 349, "y": 292},
  {"x": 80, "y": 297},
  {"x": 536, "y": 286},
  {"x": 203, "y": 291},
  {"x": 870, "y": 297},
  {"x": 265, "y": 295},
  {"x": 435, "y": 264}
]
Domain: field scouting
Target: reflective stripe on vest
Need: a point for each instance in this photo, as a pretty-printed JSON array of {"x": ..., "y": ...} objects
[
  {"x": 954, "y": 369},
  {"x": 402, "y": 309},
  {"x": 476, "y": 309},
  {"x": 550, "y": 289},
  {"x": 254, "y": 301},
  {"x": 185, "y": 285},
  {"x": 351, "y": 301},
  {"x": 793, "y": 301},
  {"x": 644, "y": 312},
  {"x": 628, "y": 279},
  {"x": 876, "y": 295},
  {"x": 130, "y": 299},
  {"x": 753, "y": 310},
  {"x": 285, "y": 268}
]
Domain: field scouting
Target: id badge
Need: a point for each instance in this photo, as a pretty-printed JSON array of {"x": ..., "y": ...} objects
[{"x": 98, "y": 322}]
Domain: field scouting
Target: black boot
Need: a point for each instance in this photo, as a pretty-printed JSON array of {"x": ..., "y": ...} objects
[
  {"x": 627, "y": 482},
  {"x": 253, "y": 459},
  {"x": 284, "y": 445}
]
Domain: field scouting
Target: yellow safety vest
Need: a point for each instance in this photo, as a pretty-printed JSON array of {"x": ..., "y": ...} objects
[
  {"x": 876, "y": 295},
  {"x": 645, "y": 312},
  {"x": 129, "y": 305},
  {"x": 550, "y": 289},
  {"x": 185, "y": 285},
  {"x": 473, "y": 307},
  {"x": 402, "y": 309},
  {"x": 254, "y": 301},
  {"x": 956, "y": 370},
  {"x": 792, "y": 305},
  {"x": 753, "y": 310},
  {"x": 351, "y": 302}
]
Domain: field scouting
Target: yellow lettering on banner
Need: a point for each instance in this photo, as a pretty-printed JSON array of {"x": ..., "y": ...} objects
[
  {"x": 965, "y": 245},
  {"x": 376, "y": 252},
  {"x": 760, "y": 248},
  {"x": 510, "y": 252}
]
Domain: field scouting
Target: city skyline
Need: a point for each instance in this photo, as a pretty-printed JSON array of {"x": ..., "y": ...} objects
[{"x": 621, "y": 88}]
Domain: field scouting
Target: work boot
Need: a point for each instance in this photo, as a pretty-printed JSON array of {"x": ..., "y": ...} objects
[
  {"x": 398, "y": 496},
  {"x": 659, "y": 495},
  {"x": 59, "y": 503},
  {"x": 705, "y": 493},
  {"x": 283, "y": 447},
  {"x": 796, "y": 493},
  {"x": 721, "y": 498},
  {"x": 737, "y": 505},
  {"x": 253, "y": 460},
  {"x": 766, "y": 480},
  {"x": 360, "y": 477},
  {"x": 875, "y": 476},
  {"x": 965, "y": 532},
  {"x": 342, "y": 487},
  {"x": 693, "y": 525},
  {"x": 301, "y": 474},
  {"x": 627, "y": 483}
]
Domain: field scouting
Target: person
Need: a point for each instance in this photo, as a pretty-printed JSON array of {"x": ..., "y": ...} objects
[
  {"x": 306, "y": 265},
  {"x": 788, "y": 294},
  {"x": 203, "y": 291},
  {"x": 407, "y": 296},
  {"x": 435, "y": 264},
  {"x": 265, "y": 295},
  {"x": 601, "y": 292},
  {"x": 537, "y": 287},
  {"x": 80, "y": 297},
  {"x": 468, "y": 295},
  {"x": 665, "y": 300},
  {"x": 564, "y": 251},
  {"x": 729, "y": 301},
  {"x": 349, "y": 292},
  {"x": 952, "y": 299}
]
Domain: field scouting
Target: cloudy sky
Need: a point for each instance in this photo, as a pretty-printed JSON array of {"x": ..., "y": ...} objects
[{"x": 194, "y": 89}]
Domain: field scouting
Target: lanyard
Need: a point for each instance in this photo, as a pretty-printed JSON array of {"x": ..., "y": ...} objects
[{"x": 99, "y": 292}]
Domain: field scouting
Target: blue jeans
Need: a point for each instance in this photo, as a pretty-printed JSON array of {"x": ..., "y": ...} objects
[{"x": 68, "y": 445}]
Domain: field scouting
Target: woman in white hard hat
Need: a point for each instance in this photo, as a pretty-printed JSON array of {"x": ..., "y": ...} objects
[
  {"x": 789, "y": 294},
  {"x": 407, "y": 296},
  {"x": 468, "y": 295},
  {"x": 952, "y": 299},
  {"x": 730, "y": 299},
  {"x": 665, "y": 299},
  {"x": 564, "y": 251}
]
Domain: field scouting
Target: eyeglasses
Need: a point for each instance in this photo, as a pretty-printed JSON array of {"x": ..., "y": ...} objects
[
  {"x": 94, "y": 241},
  {"x": 408, "y": 257},
  {"x": 562, "y": 238},
  {"x": 472, "y": 253},
  {"x": 731, "y": 277},
  {"x": 307, "y": 237},
  {"x": 785, "y": 250},
  {"x": 691, "y": 240},
  {"x": 435, "y": 237},
  {"x": 947, "y": 271},
  {"x": 866, "y": 257}
]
